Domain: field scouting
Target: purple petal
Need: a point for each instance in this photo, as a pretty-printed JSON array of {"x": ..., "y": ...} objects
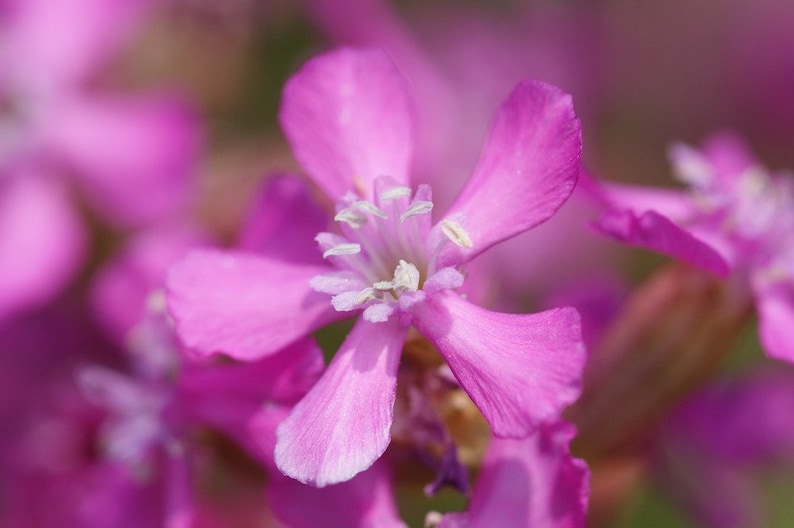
[
  {"x": 123, "y": 287},
  {"x": 66, "y": 40},
  {"x": 674, "y": 204},
  {"x": 133, "y": 156},
  {"x": 710, "y": 449},
  {"x": 348, "y": 118},
  {"x": 243, "y": 305},
  {"x": 284, "y": 221},
  {"x": 519, "y": 370},
  {"x": 247, "y": 401},
  {"x": 531, "y": 482},
  {"x": 41, "y": 241},
  {"x": 367, "y": 500},
  {"x": 527, "y": 169},
  {"x": 284, "y": 377},
  {"x": 744, "y": 421},
  {"x": 656, "y": 232},
  {"x": 775, "y": 305},
  {"x": 343, "y": 424}
]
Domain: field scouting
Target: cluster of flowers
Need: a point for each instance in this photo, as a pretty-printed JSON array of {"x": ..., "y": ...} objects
[{"x": 368, "y": 331}]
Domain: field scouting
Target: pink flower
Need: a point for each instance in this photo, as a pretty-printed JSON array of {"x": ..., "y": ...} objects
[
  {"x": 129, "y": 155},
  {"x": 736, "y": 218},
  {"x": 529, "y": 483},
  {"x": 349, "y": 121},
  {"x": 712, "y": 448},
  {"x": 365, "y": 501}
]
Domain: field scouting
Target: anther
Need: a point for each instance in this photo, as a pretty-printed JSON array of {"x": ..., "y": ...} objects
[
  {"x": 351, "y": 217},
  {"x": 455, "y": 232},
  {"x": 343, "y": 249},
  {"x": 418, "y": 207},
  {"x": 396, "y": 192},
  {"x": 369, "y": 207}
]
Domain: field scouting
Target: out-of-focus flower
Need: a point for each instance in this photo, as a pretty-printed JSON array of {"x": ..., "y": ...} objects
[
  {"x": 710, "y": 450},
  {"x": 129, "y": 155},
  {"x": 348, "y": 118},
  {"x": 365, "y": 501},
  {"x": 531, "y": 482},
  {"x": 736, "y": 218}
]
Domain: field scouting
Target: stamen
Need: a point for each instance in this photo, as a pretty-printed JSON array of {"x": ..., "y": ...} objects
[
  {"x": 418, "y": 207},
  {"x": 369, "y": 207},
  {"x": 351, "y": 217},
  {"x": 455, "y": 232},
  {"x": 343, "y": 249},
  {"x": 396, "y": 192},
  {"x": 365, "y": 295},
  {"x": 406, "y": 276},
  {"x": 384, "y": 285}
]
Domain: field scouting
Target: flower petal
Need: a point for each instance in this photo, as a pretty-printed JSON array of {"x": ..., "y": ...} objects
[
  {"x": 42, "y": 241},
  {"x": 343, "y": 424},
  {"x": 248, "y": 400},
  {"x": 775, "y": 305},
  {"x": 123, "y": 287},
  {"x": 367, "y": 500},
  {"x": 531, "y": 482},
  {"x": 243, "y": 305},
  {"x": 519, "y": 370},
  {"x": 284, "y": 221},
  {"x": 64, "y": 41},
  {"x": 526, "y": 171},
  {"x": 710, "y": 450},
  {"x": 133, "y": 156},
  {"x": 348, "y": 119},
  {"x": 653, "y": 231}
]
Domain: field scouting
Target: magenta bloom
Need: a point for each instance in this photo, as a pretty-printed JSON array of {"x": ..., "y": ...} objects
[
  {"x": 348, "y": 118},
  {"x": 529, "y": 483},
  {"x": 367, "y": 500},
  {"x": 129, "y": 156},
  {"x": 712, "y": 449},
  {"x": 736, "y": 218}
]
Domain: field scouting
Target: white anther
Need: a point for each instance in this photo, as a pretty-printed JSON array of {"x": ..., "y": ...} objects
[
  {"x": 369, "y": 207},
  {"x": 418, "y": 207},
  {"x": 396, "y": 192},
  {"x": 365, "y": 295},
  {"x": 343, "y": 249},
  {"x": 406, "y": 276},
  {"x": 351, "y": 217},
  {"x": 455, "y": 232},
  {"x": 383, "y": 285}
]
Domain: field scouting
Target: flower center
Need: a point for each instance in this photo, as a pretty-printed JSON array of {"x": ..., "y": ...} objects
[{"x": 386, "y": 252}]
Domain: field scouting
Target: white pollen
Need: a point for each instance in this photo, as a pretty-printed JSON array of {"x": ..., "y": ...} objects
[
  {"x": 342, "y": 249},
  {"x": 396, "y": 192},
  {"x": 383, "y": 285},
  {"x": 455, "y": 232},
  {"x": 365, "y": 295},
  {"x": 418, "y": 207},
  {"x": 369, "y": 207},
  {"x": 406, "y": 276}
]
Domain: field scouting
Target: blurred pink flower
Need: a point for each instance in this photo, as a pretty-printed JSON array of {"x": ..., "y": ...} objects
[
  {"x": 736, "y": 218},
  {"x": 711, "y": 449},
  {"x": 129, "y": 155}
]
